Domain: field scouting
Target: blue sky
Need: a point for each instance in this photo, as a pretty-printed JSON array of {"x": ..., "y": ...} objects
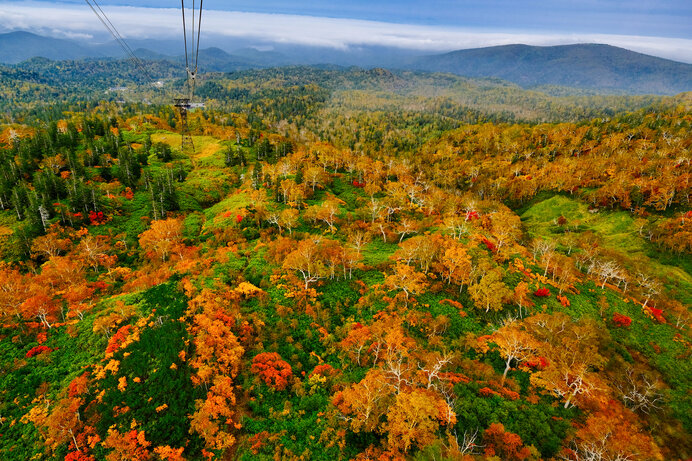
[
  {"x": 636, "y": 17},
  {"x": 663, "y": 28}
]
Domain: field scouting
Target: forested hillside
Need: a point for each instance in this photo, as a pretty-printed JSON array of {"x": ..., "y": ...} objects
[
  {"x": 588, "y": 65},
  {"x": 38, "y": 86},
  {"x": 593, "y": 67},
  {"x": 350, "y": 265}
]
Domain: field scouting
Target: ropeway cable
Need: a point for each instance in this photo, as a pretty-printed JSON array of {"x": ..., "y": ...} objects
[
  {"x": 192, "y": 53},
  {"x": 116, "y": 35},
  {"x": 199, "y": 29},
  {"x": 182, "y": 3}
]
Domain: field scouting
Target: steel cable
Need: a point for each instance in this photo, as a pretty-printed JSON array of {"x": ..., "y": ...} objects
[{"x": 116, "y": 35}]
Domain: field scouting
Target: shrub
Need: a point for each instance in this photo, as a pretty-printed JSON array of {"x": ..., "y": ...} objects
[
  {"x": 34, "y": 351},
  {"x": 542, "y": 292},
  {"x": 621, "y": 320}
]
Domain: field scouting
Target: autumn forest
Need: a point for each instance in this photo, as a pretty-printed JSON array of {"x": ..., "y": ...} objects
[{"x": 348, "y": 264}]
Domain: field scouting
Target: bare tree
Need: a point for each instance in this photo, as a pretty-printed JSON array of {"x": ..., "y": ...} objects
[
  {"x": 607, "y": 270},
  {"x": 406, "y": 227},
  {"x": 638, "y": 393},
  {"x": 432, "y": 371},
  {"x": 542, "y": 250},
  {"x": 595, "y": 451},
  {"x": 650, "y": 286},
  {"x": 466, "y": 444},
  {"x": 358, "y": 240},
  {"x": 273, "y": 218}
]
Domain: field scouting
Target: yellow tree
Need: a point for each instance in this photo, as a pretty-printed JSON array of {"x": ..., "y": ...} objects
[
  {"x": 163, "y": 238},
  {"x": 305, "y": 260},
  {"x": 405, "y": 227},
  {"x": 428, "y": 250},
  {"x": 614, "y": 432},
  {"x": 506, "y": 227},
  {"x": 363, "y": 403},
  {"x": 217, "y": 350},
  {"x": 490, "y": 291},
  {"x": 64, "y": 422},
  {"x": 456, "y": 264},
  {"x": 14, "y": 289},
  {"x": 326, "y": 212},
  {"x": 288, "y": 219},
  {"x": 51, "y": 244},
  {"x": 214, "y": 414},
  {"x": 572, "y": 349},
  {"x": 414, "y": 418},
  {"x": 314, "y": 176},
  {"x": 514, "y": 344},
  {"x": 94, "y": 250},
  {"x": 522, "y": 296},
  {"x": 406, "y": 279},
  {"x": 356, "y": 341}
]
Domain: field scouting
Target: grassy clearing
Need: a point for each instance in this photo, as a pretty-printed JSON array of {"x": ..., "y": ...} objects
[
  {"x": 377, "y": 252},
  {"x": 205, "y": 152},
  {"x": 209, "y": 179},
  {"x": 224, "y": 212},
  {"x": 617, "y": 231}
]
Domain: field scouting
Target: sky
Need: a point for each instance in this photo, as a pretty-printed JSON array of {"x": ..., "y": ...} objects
[{"x": 661, "y": 28}]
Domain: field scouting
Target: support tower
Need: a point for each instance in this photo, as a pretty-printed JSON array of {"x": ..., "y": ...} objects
[{"x": 183, "y": 105}]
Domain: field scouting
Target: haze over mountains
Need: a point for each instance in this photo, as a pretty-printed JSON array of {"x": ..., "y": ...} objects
[{"x": 603, "y": 68}]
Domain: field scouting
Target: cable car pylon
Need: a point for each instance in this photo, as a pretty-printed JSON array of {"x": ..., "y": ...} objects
[{"x": 183, "y": 105}]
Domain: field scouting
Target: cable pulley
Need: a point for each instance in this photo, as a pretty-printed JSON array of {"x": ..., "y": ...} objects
[
  {"x": 192, "y": 51},
  {"x": 191, "y": 67}
]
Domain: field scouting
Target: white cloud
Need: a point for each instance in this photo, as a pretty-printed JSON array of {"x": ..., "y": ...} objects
[
  {"x": 163, "y": 23},
  {"x": 70, "y": 35}
]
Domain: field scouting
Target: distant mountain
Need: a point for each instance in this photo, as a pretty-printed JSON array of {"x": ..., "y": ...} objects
[
  {"x": 551, "y": 69},
  {"x": 217, "y": 60},
  {"x": 212, "y": 60},
  {"x": 592, "y": 66},
  {"x": 16, "y": 47},
  {"x": 147, "y": 54},
  {"x": 163, "y": 47},
  {"x": 269, "y": 58}
]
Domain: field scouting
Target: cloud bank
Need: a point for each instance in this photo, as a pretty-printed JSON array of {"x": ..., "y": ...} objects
[{"x": 69, "y": 20}]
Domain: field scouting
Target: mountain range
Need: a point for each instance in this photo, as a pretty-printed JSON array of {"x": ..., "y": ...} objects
[{"x": 597, "y": 67}]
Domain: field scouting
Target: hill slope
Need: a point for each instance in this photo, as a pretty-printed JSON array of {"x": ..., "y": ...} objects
[
  {"x": 170, "y": 305},
  {"x": 16, "y": 47},
  {"x": 595, "y": 66}
]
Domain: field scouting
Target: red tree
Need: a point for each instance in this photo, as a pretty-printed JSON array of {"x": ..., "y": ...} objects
[
  {"x": 34, "y": 351},
  {"x": 506, "y": 445},
  {"x": 621, "y": 320},
  {"x": 272, "y": 370},
  {"x": 542, "y": 292}
]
